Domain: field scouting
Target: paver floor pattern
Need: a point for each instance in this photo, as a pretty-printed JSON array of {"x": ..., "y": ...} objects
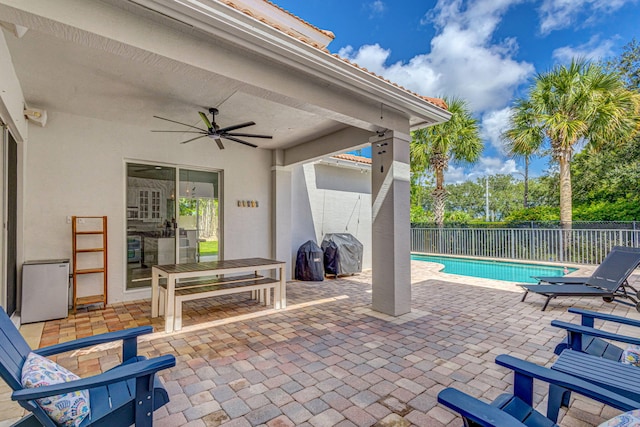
[{"x": 328, "y": 360}]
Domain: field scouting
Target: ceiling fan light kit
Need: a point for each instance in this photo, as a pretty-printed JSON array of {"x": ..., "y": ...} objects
[{"x": 214, "y": 131}]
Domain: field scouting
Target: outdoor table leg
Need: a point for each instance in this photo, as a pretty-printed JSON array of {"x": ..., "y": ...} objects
[
  {"x": 169, "y": 312},
  {"x": 281, "y": 300},
  {"x": 155, "y": 283}
]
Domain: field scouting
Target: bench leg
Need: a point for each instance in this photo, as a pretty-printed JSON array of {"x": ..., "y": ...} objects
[{"x": 267, "y": 296}]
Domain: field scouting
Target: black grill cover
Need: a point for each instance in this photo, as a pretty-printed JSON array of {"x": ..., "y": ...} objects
[
  {"x": 342, "y": 254},
  {"x": 309, "y": 265}
]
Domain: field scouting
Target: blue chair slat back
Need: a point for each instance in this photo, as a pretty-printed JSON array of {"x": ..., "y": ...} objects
[
  {"x": 619, "y": 264},
  {"x": 13, "y": 352}
]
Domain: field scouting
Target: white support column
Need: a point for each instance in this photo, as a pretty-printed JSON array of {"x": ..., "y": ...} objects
[
  {"x": 391, "y": 252},
  {"x": 281, "y": 212}
]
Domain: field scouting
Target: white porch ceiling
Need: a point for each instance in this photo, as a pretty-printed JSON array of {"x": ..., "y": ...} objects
[
  {"x": 61, "y": 75},
  {"x": 125, "y": 61}
]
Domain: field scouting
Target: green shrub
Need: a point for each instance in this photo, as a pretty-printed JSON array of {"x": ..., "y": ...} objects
[{"x": 537, "y": 213}]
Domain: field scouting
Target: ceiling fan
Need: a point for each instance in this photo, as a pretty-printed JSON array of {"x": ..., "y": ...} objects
[{"x": 214, "y": 131}]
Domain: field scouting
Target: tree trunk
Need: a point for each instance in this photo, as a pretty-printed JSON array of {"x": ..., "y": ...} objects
[
  {"x": 565, "y": 192},
  {"x": 565, "y": 206},
  {"x": 439, "y": 195},
  {"x": 526, "y": 182}
]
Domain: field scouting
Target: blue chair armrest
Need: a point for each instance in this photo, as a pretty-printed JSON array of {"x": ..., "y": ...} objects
[
  {"x": 566, "y": 381},
  {"x": 475, "y": 410},
  {"x": 576, "y": 331},
  {"x": 128, "y": 336},
  {"x": 118, "y": 374},
  {"x": 589, "y": 316}
]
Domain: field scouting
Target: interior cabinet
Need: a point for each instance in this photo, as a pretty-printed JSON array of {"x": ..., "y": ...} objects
[
  {"x": 145, "y": 204},
  {"x": 159, "y": 250}
]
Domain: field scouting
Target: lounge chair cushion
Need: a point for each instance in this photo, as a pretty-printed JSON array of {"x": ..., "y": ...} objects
[
  {"x": 67, "y": 409},
  {"x": 628, "y": 419},
  {"x": 631, "y": 355}
]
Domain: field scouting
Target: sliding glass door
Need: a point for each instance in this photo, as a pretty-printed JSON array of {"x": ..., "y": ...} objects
[{"x": 169, "y": 226}]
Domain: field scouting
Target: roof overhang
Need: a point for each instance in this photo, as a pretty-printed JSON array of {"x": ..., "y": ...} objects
[{"x": 148, "y": 44}]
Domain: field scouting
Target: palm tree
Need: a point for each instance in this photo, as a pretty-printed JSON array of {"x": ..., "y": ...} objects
[
  {"x": 456, "y": 140},
  {"x": 523, "y": 139},
  {"x": 567, "y": 106}
]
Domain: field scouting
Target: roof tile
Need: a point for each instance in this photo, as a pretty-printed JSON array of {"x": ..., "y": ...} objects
[{"x": 435, "y": 101}]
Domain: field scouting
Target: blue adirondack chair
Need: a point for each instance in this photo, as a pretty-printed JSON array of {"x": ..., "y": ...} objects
[
  {"x": 125, "y": 395},
  {"x": 587, "y": 339},
  {"x": 516, "y": 409}
]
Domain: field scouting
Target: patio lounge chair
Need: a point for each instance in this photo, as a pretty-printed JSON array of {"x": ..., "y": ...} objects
[
  {"x": 587, "y": 339},
  {"x": 516, "y": 410},
  {"x": 619, "y": 261},
  {"x": 607, "y": 286},
  {"x": 122, "y": 396}
]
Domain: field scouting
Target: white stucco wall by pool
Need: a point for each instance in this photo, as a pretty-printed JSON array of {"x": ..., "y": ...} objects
[{"x": 328, "y": 198}]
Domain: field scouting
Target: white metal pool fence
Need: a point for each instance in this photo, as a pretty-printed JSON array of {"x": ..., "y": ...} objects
[{"x": 581, "y": 246}]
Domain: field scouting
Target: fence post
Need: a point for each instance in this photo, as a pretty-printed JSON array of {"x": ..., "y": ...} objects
[{"x": 513, "y": 244}]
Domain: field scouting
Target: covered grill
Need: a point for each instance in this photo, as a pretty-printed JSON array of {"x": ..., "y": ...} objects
[
  {"x": 309, "y": 262},
  {"x": 342, "y": 254}
]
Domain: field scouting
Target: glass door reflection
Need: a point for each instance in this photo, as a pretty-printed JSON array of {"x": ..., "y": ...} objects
[{"x": 199, "y": 216}]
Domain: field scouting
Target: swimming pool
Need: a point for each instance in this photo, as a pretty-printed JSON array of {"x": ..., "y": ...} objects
[{"x": 497, "y": 270}]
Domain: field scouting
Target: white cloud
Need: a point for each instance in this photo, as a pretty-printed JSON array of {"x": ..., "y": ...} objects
[
  {"x": 492, "y": 166},
  {"x": 494, "y": 123},
  {"x": 454, "y": 175},
  {"x": 464, "y": 59},
  {"x": 485, "y": 166},
  {"x": 376, "y": 8},
  {"x": 559, "y": 14},
  {"x": 594, "y": 49}
]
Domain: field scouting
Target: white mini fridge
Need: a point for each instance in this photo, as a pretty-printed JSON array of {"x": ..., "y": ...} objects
[{"x": 45, "y": 290}]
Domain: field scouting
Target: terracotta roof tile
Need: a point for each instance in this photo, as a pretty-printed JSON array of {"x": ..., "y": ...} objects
[
  {"x": 352, "y": 158},
  {"x": 435, "y": 101}
]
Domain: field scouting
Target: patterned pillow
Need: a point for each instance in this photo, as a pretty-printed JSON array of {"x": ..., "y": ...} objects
[
  {"x": 67, "y": 409},
  {"x": 628, "y": 419},
  {"x": 631, "y": 355}
]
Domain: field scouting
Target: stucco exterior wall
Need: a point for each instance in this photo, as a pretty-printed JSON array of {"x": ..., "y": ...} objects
[
  {"x": 331, "y": 199},
  {"x": 76, "y": 166}
]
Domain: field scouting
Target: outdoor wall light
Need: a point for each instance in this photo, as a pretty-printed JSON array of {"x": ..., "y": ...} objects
[{"x": 36, "y": 116}]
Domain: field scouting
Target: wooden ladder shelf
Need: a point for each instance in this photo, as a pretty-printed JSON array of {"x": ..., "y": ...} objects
[{"x": 89, "y": 237}]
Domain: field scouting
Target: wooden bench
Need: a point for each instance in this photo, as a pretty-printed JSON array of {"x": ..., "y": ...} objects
[{"x": 259, "y": 286}]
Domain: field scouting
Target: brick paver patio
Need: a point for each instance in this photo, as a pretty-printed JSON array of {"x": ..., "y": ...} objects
[{"x": 329, "y": 360}]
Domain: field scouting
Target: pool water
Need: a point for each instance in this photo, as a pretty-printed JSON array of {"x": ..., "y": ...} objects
[{"x": 498, "y": 270}]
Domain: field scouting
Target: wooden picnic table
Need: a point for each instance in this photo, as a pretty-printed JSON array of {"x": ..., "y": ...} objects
[{"x": 179, "y": 272}]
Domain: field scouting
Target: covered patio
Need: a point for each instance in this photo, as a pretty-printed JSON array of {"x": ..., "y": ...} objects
[
  {"x": 328, "y": 359},
  {"x": 97, "y": 72}
]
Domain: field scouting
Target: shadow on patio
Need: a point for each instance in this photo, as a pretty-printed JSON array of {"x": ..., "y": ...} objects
[{"x": 329, "y": 360}]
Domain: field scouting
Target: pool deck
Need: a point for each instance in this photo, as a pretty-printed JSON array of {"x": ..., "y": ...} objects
[{"x": 329, "y": 360}]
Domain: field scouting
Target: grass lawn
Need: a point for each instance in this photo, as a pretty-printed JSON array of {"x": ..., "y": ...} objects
[{"x": 209, "y": 248}]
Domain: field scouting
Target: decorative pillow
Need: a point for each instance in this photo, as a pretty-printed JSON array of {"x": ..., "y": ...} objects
[
  {"x": 631, "y": 355},
  {"x": 628, "y": 419},
  {"x": 67, "y": 409}
]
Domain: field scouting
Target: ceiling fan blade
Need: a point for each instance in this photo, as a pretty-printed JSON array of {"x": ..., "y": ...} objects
[
  {"x": 249, "y": 135},
  {"x": 219, "y": 142},
  {"x": 205, "y": 119},
  {"x": 181, "y": 131},
  {"x": 238, "y": 126},
  {"x": 173, "y": 121},
  {"x": 193, "y": 139},
  {"x": 240, "y": 141}
]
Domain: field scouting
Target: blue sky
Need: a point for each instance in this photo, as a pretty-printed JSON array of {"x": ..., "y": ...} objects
[{"x": 485, "y": 51}]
